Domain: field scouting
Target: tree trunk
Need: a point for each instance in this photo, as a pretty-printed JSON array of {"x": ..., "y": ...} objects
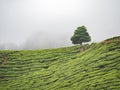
[{"x": 80, "y": 43}]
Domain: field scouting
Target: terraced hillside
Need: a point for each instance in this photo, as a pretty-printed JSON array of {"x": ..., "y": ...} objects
[{"x": 87, "y": 67}]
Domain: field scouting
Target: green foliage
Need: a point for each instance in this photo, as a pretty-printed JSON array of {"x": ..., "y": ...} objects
[
  {"x": 85, "y": 67},
  {"x": 80, "y": 35}
]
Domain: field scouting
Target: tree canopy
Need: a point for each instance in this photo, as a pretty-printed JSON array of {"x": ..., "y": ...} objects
[{"x": 80, "y": 36}]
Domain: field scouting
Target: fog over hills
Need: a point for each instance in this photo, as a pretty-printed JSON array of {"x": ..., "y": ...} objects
[
  {"x": 34, "y": 24},
  {"x": 47, "y": 40}
]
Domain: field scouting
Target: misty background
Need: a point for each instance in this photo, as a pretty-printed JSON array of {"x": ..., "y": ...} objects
[{"x": 36, "y": 24}]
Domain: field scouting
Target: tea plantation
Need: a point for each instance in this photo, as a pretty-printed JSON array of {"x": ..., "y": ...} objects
[{"x": 87, "y": 67}]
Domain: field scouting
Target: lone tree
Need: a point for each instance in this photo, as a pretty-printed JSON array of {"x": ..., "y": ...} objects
[{"x": 80, "y": 36}]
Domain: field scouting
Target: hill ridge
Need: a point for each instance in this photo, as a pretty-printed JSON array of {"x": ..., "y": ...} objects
[{"x": 86, "y": 67}]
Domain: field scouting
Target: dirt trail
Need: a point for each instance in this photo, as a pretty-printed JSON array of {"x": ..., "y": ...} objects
[{"x": 4, "y": 61}]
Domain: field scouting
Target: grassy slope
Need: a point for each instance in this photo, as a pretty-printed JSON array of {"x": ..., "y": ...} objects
[{"x": 70, "y": 68}]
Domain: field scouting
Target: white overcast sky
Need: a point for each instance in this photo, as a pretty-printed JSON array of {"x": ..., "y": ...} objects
[{"x": 23, "y": 21}]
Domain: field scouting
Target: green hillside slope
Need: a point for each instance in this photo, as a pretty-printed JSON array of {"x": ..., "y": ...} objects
[{"x": 87, "y": 67}]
